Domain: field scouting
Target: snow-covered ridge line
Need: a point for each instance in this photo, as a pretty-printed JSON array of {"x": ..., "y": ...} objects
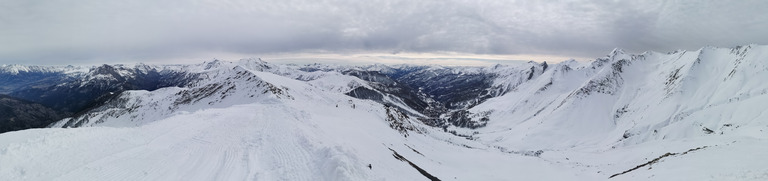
[
  {"x": 626, "y": 116},
  {"x": 16, "y": 69},
  {"x": 631, "y": 98}
]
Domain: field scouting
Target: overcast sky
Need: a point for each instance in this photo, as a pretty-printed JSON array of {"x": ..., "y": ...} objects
[{"x": 101, "y": 31}]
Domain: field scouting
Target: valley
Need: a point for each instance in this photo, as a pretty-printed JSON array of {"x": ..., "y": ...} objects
[{"x": 685, "y": 115}]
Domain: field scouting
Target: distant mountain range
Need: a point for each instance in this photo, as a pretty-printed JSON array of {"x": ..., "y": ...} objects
[{"x": 684, "y": 115}]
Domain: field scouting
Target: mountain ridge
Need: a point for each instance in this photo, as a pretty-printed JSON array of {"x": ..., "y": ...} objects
[{"x": 671, "y": 113}]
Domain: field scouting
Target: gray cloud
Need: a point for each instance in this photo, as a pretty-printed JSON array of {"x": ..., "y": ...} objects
[{"x": 90, "y": 31}]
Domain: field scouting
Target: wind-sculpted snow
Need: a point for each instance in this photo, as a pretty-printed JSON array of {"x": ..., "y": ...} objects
[{"x": 686, "y": 115}]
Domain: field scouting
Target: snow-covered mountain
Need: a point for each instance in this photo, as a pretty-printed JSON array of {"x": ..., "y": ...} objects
[
  {"x": 73, "y": 89},
  {"x": 686, "y": 115}
]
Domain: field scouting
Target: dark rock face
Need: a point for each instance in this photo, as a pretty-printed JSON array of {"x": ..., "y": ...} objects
[
  {"x": 17, "y": 114},
  {"x": 365, "y": 93},
  {"x": 399, "y": 121},
  {"x": 463, "y": 118}
]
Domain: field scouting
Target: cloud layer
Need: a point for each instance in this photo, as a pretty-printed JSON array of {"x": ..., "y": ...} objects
[{"x": 62, "y": 32}]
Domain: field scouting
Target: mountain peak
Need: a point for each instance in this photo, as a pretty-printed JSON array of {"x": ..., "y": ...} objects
[
  {"x": 617, "y": 51},
  {"x": 611, "y": 117}
]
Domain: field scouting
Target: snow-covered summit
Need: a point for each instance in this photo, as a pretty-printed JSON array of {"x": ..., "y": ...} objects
[
  {"x": 649, "y": 116},
  {"x": 15, "y": 69}
]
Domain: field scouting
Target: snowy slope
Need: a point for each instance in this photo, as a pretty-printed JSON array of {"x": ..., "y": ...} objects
[
  {"x": 644, "y": 106},
  {"x": 687, "y": 115},
  {"x": 305, "y": 133},
  {"x": 632, "y": 95}
]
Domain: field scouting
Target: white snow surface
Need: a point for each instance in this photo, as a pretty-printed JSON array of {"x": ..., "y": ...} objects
[{"x": 572, "y": 121}]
